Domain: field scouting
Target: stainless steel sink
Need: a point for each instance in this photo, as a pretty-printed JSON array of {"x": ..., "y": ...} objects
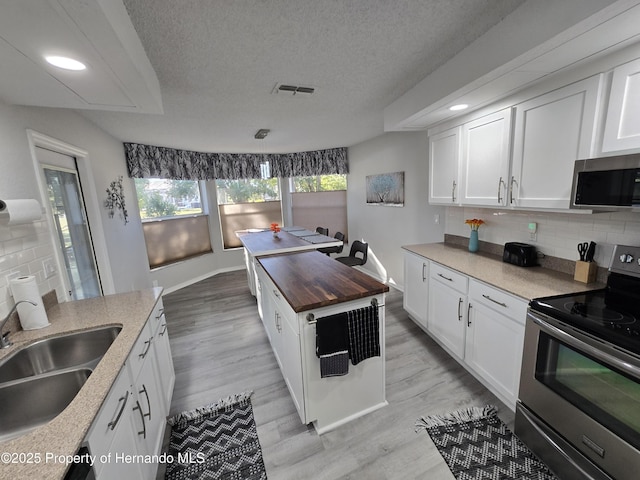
[
  {"x": 79, "y": 349},
  {"x": 29, "y": 403}
]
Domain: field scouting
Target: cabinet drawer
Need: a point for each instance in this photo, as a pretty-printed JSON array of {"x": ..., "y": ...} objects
[
  {"x": 449, "y": 277},
  {"x": 498, "y": 300},
  {"x": 141, "y": 351}
]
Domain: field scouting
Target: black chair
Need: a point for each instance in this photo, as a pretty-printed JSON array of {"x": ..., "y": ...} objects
[
  {"x": 352, "y": 260},
  {"x": 322, "y": 231},
  {"x": 329, "y": 250}
]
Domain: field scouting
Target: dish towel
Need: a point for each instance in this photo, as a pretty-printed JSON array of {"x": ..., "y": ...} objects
[
  {"x": 364, "y": 334},
  {"x": 332, "y": 345}
]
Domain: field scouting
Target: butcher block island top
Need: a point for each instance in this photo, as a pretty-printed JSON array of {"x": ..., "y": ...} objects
[{"x": 311, "y": 280}]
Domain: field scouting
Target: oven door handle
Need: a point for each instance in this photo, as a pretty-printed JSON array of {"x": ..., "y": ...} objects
[{"x": 627, "y": 367}]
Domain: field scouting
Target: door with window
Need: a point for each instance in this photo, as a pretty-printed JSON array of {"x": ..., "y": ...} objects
[{"x": 73, "y": 235}]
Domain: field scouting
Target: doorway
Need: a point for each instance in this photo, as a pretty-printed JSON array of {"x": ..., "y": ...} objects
[{"x": 72, "y": 233}]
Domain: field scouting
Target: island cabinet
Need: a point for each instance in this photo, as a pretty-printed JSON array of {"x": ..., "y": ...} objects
[
  {"x": 622, "y": 124},
  {"x": 416, "y": 287},
  {"x": 295, "y": 290}
]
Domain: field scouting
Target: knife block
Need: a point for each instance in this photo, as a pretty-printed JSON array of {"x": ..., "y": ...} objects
[{"x": 585, "y": 272}]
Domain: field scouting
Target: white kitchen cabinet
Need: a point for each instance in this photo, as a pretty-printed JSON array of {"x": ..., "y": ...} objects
[
  {"x": 416, "y": 287},
  {"x": 447, "y": 308},
  {"x": 551, "y": 132},
  {"x": 131, "y": 421},
  {"x": 292, "y": 360},
  {"x": 622, "y": 124},
  {"x": 486, "y": 150},
  {"x": 494, "y": 339},
  {"x": 444, "y": 167}
]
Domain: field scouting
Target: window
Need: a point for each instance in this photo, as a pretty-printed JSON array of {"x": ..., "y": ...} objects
[
  {"x": 173, "y": 221},
  {"x": 319, "y": 183},
  {"x": 246, "y": 204},
  {"x": 320, "y": 201},
  {"x": 167, "y": 198}
]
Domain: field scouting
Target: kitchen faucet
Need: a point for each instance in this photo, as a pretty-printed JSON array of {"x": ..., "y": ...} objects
[{"x": 4, "y": 338}]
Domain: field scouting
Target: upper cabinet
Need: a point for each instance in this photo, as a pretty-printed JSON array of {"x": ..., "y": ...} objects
[
  {"x": 444, "y": 167},
  {"x": 622, "y": 125},
  {"x": 486, "y": 146}
]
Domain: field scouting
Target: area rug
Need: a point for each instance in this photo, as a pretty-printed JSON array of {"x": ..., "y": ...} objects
[
  {"x": 477, "y": 445},
  {"x": 218, "y": 441}
]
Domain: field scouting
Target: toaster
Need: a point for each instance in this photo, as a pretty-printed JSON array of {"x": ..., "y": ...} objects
[{"x": 520, "y": 254}]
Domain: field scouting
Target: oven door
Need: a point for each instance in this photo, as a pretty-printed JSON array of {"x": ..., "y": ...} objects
[{"x": 585, "y": 390}]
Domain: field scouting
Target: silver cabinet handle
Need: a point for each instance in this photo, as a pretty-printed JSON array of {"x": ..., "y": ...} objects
[
  {"x": 446, "y": 278},
  {"x": 513, "y": 180},
  {"x": 160, "y": 314},
  {"x": 144, "y": 427},
  {"x": 146, "y": 394},
  {"x": 275, "y": 292},
  {"x": 122, "y": 399},
  {"x": 500, "y": 183},
  {"x": 146, "y": 350},
  {"x": 278, "y": 327},
  {"x": 459, "y": 312},
  {"x": 469, "y": 315},
  {"x": 453, "y": 191},
  {"x": 424, "y": 269},
  {"x": 164, "y": 329},
  {"x": 495, "y": 301}
]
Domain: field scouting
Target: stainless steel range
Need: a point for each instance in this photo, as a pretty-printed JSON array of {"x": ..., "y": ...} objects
[{"x": 579, "y": 399}]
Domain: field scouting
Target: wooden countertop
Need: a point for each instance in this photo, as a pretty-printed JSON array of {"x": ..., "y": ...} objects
[
  {"x": 64, "y": 434},
  {"x": 527, "y": 283},
  {"x": 310, "y": 280},
  {"x": 263, "y": 243}
]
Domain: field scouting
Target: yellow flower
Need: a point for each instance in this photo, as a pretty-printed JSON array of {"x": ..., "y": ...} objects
[{"x": 474, "y": 223}]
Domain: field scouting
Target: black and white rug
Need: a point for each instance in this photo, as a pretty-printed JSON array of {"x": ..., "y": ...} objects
[
  {"x": 219, "y": 441},
  {"x": 477, "y": 445}
]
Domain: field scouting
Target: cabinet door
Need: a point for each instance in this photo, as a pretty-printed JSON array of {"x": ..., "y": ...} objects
[
  {"x": 486, "y": 146},
  {"x": 165, "y": 365},
  {"x": 416, "y": 287},
  {"x": 292, "y": 364},
  {"x": 494, "y": 350},
  {"x": 551, "y": 132},
  {"x": 124, "y": 443},
  {"x": 622, "y": 125},
  {"x": 447, "y": 309},
  {"x": 444, "y": 160}
]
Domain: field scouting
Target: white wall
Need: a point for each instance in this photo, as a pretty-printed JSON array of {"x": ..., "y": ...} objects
[
  {"x": 386, "y": 229},
  {"x": 23, "y": 247}
]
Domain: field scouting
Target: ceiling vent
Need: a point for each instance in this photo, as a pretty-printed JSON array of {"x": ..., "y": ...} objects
[{"x": 293, "y": 90}]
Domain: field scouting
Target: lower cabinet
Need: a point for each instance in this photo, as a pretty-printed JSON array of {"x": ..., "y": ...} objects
[
  {"x": 416, "y": 287},
  {"x": 479, "y": 325},
  {"x": 447, "y": 308},
  {"x": 132, "y": 418}
]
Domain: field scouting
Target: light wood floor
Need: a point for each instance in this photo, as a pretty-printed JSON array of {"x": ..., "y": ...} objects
[{"x": 219, "y": 347}]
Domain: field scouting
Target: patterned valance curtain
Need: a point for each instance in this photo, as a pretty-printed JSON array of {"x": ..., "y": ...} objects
[{"x": 148, "y": 161}]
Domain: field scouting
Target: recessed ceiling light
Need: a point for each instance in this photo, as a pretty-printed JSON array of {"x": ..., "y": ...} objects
[
  {"x": 460, "y": 106},
  {"x": 66, "y": 63}
]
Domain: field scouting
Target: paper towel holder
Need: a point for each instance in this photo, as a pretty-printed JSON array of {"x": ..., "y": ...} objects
[{"x": 19, "y": 211}]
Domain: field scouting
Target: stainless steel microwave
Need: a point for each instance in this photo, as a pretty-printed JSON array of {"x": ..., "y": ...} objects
[{"x": 607, "y": 183}]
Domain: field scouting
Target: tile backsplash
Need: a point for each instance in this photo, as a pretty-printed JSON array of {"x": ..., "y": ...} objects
[
  {"x": 558, "y": 234},
  {"x": 22, "y": 250}
]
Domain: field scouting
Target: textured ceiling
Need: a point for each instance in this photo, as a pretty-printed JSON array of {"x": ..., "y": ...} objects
[{"x": 218, "y": 61}]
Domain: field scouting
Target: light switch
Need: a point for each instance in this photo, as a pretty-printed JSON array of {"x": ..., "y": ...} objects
[{"x": 49, "y": 267}]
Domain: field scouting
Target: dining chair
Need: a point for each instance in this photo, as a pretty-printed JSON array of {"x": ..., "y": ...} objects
[
  {"x": 357, "y": 247},
  {"x": 338, "y": 249}
]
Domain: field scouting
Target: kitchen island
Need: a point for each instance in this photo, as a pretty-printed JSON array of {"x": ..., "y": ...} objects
[
  {"x": 294, "y": 290},
  {"x": 289, "y": 239}
]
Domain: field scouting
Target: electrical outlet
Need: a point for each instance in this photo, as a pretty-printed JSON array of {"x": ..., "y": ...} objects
[
  {"x": 436, "y": 219},
  {"x": 49, "y": 267}
]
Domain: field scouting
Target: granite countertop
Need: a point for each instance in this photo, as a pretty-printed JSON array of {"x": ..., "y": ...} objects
[
  {"x": 527, "y": 283},
  {"x": 64, "y": 434},
  {"x": 310, "y": 280}
]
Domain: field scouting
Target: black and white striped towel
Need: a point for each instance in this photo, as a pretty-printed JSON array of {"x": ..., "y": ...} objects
[{"x": 364, "y": 334}]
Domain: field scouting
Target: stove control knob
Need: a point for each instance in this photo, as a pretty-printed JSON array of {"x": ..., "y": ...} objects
[{"x": 626, "y": 258}]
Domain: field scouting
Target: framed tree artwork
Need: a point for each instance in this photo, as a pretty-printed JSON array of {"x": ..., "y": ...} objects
[{"x": 385, "y": 189}]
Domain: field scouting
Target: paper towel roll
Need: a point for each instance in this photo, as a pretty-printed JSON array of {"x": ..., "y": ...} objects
[
  {"x": 31, "y": 317},
  {"x": 16, "y": 212}
]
